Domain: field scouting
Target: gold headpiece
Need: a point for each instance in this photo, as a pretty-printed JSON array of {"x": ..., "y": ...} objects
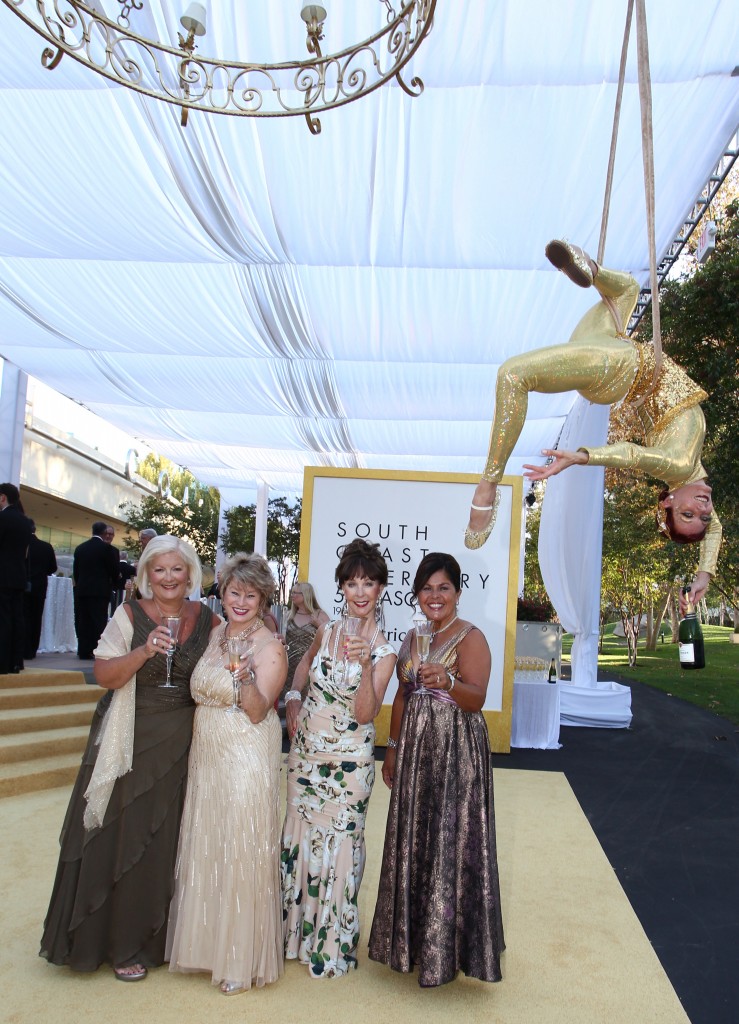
[{"x": 661, "y": 516}]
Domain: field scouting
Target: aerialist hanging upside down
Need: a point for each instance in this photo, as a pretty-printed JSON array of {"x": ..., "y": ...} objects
[{"x": 605, "y": 366}]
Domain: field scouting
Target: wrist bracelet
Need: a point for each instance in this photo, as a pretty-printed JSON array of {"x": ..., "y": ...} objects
[
  {"x": 391, "y": 743},
  {"x": 452, "y": 681},
  {"x": 293, "y": 695}
]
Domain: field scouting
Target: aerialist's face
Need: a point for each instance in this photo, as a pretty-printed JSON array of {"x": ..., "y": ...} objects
[{"x": 691, "y": 506}]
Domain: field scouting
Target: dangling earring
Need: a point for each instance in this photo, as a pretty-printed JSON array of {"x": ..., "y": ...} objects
[{"x": 380, "y": 614}]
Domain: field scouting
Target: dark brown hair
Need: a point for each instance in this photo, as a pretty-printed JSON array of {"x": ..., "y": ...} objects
[
  {"x": 437, "y": 561},
  {"x": 361, "y": 559}
]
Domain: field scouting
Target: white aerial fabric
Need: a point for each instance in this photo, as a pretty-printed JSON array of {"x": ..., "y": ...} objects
[
  {"x": 570, "y": 540},
  {"x": 250, "y": 299}
]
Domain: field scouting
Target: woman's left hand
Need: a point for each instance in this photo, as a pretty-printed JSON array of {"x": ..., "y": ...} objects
[
  {"x": 433, "y": 676},
  {"x": 357, "y": 648},
  {"x": 245, "y": 672}
]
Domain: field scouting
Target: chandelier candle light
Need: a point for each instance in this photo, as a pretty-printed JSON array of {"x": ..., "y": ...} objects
[{"x": 220, "y": 85}]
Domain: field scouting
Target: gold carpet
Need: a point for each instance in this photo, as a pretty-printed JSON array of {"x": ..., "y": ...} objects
[{"x": 576, "y": 952}]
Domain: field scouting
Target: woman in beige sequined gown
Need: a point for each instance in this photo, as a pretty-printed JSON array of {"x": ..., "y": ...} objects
[
  {"x": 605, "y": 366},
  {"x": 226, "y": 914}
]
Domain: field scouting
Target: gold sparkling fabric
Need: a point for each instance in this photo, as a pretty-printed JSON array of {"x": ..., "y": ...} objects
[
  {"x": 226, "y": 913},
  {"x": 604, "y": 367}
]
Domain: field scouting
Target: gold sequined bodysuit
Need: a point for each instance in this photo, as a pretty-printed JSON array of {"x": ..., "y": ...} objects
[{"x": 604, "y": 366}]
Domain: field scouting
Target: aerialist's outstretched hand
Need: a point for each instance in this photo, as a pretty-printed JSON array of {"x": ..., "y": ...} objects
[
  {"x": 556, "y": 461},
  {"x": 697, "y": 589}
]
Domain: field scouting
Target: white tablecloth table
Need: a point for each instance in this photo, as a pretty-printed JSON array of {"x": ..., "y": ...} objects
[
  {"x": 57, "y": 624},
  {"x": 535, "y": 717}
]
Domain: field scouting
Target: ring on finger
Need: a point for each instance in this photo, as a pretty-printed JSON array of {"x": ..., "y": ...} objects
[{"x": 155, "y": 642}]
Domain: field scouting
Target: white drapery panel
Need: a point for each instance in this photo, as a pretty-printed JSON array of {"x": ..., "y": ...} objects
[
  {"x": 250, "y": 299},
  {"x": 570, "y": 540}
]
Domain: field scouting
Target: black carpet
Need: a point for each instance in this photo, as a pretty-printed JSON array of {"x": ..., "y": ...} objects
[{"x": 663, "y": 799}]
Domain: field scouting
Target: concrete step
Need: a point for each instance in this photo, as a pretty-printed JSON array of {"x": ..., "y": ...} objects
[
  {"x": 44, "y": 773},
  {"x": 45, "y": 696},
  {"x": 19, "y": 720},
  {"x": 38, "y": 677},
  {"x": 31, "y": 746}
]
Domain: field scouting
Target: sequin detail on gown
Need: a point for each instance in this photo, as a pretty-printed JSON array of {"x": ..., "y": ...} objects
[
  {"x": 331, "y": 770},
  {"x": 226, "y": 914},
  {"x": 438, "y": 903}
]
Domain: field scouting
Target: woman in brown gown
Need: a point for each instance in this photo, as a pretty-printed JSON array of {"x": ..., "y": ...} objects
[
  {"x": 438, "y": 904},
  {"x": 303, "y": 620},
  {"x": 115, "y": 875}
]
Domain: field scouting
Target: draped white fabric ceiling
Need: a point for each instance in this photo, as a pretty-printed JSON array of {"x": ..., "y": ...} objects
[{"x": 250, "y": 299}]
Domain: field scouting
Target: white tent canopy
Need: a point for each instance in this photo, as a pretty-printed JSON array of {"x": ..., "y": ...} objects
[{"x": 250, "y": 299}]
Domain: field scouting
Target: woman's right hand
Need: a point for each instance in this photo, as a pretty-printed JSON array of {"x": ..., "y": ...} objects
[
  {"x": 388, "y": 767},
  {"x": 292, "y": 711},
  {"x": 157, "y": 642},
  {"x": 557, "y": 461}
]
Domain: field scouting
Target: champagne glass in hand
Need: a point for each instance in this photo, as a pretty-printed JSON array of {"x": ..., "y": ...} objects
[
  {"x": 351, "y": 625},
  {"x": 424, "y": 630},
  {"x": 235, "y": 650},
  {"x": 172, "y": 622}
]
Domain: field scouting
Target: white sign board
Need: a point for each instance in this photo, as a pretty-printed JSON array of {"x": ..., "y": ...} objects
[{"x": 408, "y": 515}]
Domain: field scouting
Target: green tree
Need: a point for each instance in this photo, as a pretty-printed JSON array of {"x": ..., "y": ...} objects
[
  {"x": 190, "y": 510},
  {"x": 283, "y": 537}
]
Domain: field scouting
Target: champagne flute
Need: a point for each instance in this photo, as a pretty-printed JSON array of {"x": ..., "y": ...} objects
[
  {"x": 235, "y": 650},
  {"x": 424, "y": 630},
  {"x": 172, "y": 622}
]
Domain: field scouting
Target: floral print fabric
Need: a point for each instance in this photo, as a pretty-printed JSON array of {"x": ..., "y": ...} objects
[{"x": 331, "y": 770}]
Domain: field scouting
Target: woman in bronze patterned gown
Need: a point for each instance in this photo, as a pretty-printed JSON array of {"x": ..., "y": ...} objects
[
  {"x": 438, "y": 904},
  {"x": 303, "y": 621},
  {"x": 119, "y": 839}
]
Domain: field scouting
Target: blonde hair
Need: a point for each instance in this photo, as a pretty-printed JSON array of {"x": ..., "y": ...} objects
[
  {"x": 160, "y": 546},
  {"x": 248, "y": 570},
  {"x": 309, "y": 599}
]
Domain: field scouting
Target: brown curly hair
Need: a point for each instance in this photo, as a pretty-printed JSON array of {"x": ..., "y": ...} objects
[{"x": 361, "y": 559}]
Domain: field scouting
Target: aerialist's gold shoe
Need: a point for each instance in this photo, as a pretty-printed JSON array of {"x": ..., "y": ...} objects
[
  {"x": 571, "y": 260},
  {"x": 476, "y": 538}
]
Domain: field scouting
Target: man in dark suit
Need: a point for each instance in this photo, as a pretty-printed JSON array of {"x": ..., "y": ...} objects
[
  {"x": 15, "y": 533},
  {"x": 41, "y": 565},
  {"x": 95, "y": 575}
]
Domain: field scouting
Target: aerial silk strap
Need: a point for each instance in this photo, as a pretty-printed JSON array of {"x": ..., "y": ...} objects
[{"x": 645, "y": 102}]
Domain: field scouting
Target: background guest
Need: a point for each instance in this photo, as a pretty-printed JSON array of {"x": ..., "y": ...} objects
[
  {"x": 331, "y": 770},
  {"x": 41, "y": 565},
  {"x": 126, "y": 573},
  {"x": 438, "y": 905},
  {"x": 115, "y": 875},
  {"x": 95, "y": 575},
  {"x": 303, "y": 620},
  {"x": 226, "y": 915},
  {"x": 15, "y": 534}
]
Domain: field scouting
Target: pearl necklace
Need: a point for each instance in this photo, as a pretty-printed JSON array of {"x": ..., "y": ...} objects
[
  {"x": 451, "y": 622},
  {"x": 243, "y": 635}
]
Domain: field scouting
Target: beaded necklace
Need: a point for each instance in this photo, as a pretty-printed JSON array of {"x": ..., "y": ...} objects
[
  {"x": 243, "y": 635},
  {"x": 451, "y": 622}
]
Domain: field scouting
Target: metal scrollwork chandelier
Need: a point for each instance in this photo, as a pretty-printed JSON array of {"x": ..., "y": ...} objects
[{"x": 177, "y": 75}]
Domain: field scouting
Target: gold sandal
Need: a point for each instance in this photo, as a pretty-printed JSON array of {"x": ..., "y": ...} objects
[
  {"x": 474, "y": 539},
  {"x": 571, "y": 260}
]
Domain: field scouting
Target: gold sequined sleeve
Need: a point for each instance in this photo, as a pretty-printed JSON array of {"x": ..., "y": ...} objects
[
  {"x": 710, "y": 545},
  {"x": 668, "y": 463}
]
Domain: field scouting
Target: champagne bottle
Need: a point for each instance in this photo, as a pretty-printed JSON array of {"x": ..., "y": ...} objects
[
  {"x": 690, "y": 635},
  {"x": 552, "y": 672}
]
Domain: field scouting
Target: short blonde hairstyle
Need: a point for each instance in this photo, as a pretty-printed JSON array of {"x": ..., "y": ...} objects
[
  {"x": 161, "y": 545},
  {"x": 248, "y": 570}
]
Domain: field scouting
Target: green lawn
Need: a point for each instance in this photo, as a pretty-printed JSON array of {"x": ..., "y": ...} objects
[{"x": 716, "y": 687}]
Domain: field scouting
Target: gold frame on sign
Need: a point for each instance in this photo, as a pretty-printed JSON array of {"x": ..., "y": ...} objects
[{"x": 498, "y": 722}]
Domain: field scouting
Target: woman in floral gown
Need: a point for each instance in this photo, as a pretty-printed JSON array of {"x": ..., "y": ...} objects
[
  {"x": 331, "y": 770},
  {"x": 226, "y": 913},
  {"x": 438, "y": 905}
]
